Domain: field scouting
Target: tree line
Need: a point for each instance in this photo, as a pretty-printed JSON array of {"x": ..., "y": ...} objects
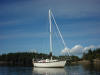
[
  {"x": 25, "y": 58},
  {"x": 92, "y": 54}
]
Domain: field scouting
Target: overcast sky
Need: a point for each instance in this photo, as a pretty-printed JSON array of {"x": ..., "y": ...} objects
[{"x": 24, "y": 25}]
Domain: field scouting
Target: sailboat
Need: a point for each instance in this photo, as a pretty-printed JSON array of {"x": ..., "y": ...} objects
[{"x": 51, "y": 63}]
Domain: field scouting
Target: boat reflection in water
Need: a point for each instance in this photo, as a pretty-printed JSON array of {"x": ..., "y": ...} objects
[{"x": 49, "y": 71}]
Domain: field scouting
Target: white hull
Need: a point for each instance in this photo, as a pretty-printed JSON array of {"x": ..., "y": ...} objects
[{"x": 50, "y": 64}]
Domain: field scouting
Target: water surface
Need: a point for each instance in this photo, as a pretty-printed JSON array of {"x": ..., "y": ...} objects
[{"x": 68, "y": 70}]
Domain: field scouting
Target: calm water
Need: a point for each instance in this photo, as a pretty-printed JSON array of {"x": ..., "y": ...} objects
[{"x": 68, "y": 70}]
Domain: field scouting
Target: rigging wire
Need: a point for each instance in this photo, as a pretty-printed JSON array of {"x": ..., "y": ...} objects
[{"x": 60, "y": 34}]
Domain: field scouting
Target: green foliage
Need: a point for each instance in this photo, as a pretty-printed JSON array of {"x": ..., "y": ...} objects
[
  {"x": 92, "y": 54},
  {"x": 75, "y": 58},
  {"x": 70, "y": 58},
  {"x": 24, "y": 58}
]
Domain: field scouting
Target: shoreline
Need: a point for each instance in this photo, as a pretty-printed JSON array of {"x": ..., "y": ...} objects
[
  {"x": 83, "y": 62},
  {"x": 95, "y": 61}
]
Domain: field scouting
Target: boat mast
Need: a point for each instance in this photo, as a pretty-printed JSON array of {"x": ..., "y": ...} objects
[
  {"x": 50, "y": 34},
  {"x": 51, "y": 15}
]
